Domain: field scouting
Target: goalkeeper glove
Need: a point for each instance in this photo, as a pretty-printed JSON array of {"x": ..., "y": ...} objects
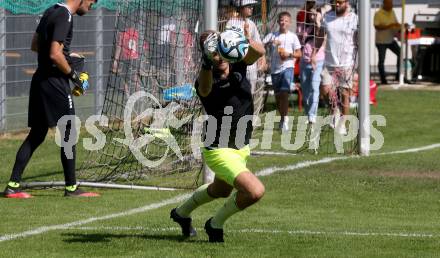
[
  {"x": 209, "y": 49},
  {"x": 80, "y": 81}
]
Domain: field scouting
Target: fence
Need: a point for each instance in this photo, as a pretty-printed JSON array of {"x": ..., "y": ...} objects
[{"x": 93, "y": 38}]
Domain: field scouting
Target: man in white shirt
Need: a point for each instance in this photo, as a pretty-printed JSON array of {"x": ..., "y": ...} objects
[
  {"x": 386, "y": 25},
  {"x": 245, "y": 9},
  {"x": 341, "y": 27}
]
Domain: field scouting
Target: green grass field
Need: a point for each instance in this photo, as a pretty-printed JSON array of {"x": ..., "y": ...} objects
[{"x": 377, "y": 206}]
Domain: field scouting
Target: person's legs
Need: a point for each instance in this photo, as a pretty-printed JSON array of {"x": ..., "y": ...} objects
[
  {"x": 306, "y": 85},
  {"x": 326, "y": 88},
  {"x": 249, "y": 191},
  {"x": 69, "y": 164},
  {"x": 225, "y": 163},
  {"x": 283, "y": 96},
  {"x": 204, "y": 194},
  {"x": 315, "y": 83},
  {"x": 381, "y": 49},
  {"x": 395, "y": 48},
  {"x": 33, "y": 140}
]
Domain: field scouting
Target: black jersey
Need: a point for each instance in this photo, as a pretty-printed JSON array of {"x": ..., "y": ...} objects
[
  {"x": 235, "y": 92},
  {"x": 55, "y": 25}
]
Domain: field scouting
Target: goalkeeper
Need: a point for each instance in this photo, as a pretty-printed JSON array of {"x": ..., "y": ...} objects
[
  {"x": 224, "y": 90},
  {"x": 50, "y": 94}
]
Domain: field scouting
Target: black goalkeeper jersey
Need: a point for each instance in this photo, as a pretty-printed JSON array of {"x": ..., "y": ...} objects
[
  {"x": 235, "y": 92},
  {"x": 55, "y": 25}
]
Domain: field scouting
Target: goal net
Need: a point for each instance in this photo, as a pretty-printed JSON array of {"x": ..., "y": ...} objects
[
  {"x": 148, "y": 135},
  {"x": 152, "y": 109}
]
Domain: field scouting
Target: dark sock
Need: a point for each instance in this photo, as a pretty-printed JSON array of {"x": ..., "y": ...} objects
[{"x": 69, "y": 164}]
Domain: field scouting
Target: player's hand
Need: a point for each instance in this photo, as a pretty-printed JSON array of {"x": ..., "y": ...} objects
[
  {"x": 80, "y": 81},
  {"x": 74, "y": 77},
  {"x": 209, "y": 49}
]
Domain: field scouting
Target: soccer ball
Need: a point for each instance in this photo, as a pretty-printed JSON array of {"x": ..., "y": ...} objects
[{"x": 232, "y": 45}]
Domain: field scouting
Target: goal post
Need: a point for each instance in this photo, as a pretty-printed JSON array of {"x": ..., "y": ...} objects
[{"x": 364, "y": 77}]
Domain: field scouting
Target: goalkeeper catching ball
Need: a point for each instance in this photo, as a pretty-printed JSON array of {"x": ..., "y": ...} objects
[
  {"x": 225, "y": 92},
  {"x": 50, "y": 96}
]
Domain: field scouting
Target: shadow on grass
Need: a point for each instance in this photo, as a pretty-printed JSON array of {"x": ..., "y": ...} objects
[
  {"x": 29, "y": 178},
  {"x": 107, "y": 237}
]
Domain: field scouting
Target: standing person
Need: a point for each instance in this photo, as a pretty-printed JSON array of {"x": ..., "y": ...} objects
[
  {"x": 386, "y": 25},
  {"x": 285, "y": 47},
  {"x": 245, "y": 9},
  {"x": 301, "y": 19},
  {"x": 125, "y": 57},
  {"x": 50, "y": 94},
  {"x": 312, "y": 63},
  {"x": 225, "y": 92},
  {"x": 340, "y": 26}
]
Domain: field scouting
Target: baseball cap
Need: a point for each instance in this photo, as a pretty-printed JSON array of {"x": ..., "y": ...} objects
[{"x": 240, "y": 3}]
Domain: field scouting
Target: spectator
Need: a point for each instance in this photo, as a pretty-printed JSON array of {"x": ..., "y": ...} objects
[
  {"x": 312, "y": 63},
  {"x": 301, "y": 22},
  {"x": 340, "y": 28},
  {"x": 285, "y": 47},
  {"x": 245, "y": 9},
  {"x": 125, "y": 56},
  {"x": 386, "y": 25}
]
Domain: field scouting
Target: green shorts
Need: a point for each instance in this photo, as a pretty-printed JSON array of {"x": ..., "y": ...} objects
[{"x": 227, "y": 163}]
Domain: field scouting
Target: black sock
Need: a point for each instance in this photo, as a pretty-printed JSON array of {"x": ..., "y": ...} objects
[{"x": 69, "y": 164}]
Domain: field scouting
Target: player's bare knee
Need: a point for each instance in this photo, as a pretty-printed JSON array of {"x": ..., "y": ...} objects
[{"x": 257, "y": 192}]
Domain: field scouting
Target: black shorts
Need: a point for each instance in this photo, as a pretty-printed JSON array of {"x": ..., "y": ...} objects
[{"x": 49, "y": 99}]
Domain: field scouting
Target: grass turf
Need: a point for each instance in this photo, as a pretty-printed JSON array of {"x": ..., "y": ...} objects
[{"x": 356, "y": 207}]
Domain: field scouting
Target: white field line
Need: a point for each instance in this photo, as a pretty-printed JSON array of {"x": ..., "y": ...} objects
[
  {"x": 305, "y": 164},
  {"x": 145, "y": 208},
  {"x": 179, "y": 198},
  {"x": 274, "y": 153},
  {"x": 428, "y": 147},
  {"x": 269, "y": 231}
]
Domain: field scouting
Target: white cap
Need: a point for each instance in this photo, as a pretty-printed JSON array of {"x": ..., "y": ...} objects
[{"x": 239, "y": 3}]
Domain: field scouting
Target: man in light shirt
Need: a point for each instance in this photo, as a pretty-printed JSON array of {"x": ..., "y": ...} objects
[
  {"x": 341, "y": 29},
  {"x": 245, "y": 9},
  {"x": 386, "y": 25}
]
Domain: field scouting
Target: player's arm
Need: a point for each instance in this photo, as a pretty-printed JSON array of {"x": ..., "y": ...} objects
[
  {"x": 117, "y": 56},
  {"x": 208, "y": 44},
  {"x": 256, "y": 49},
  {"x": 205, "y": 82},
  {"x": 58, "y": 58},
  {"x": 34, "y": 43},
  {"x": 379, "y": 24}
]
